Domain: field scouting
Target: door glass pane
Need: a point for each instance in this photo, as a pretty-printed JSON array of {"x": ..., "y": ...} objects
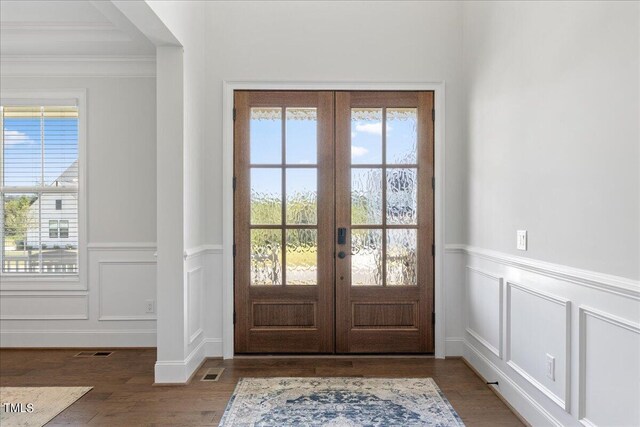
[
  {"x": 266, "y": 257},
  {"x": 402, "y": 135},
  {"x": 302, "y": 136},
  {"x": 302, "y": 257},
  {"x": 401, "y": 260},
  {"x": 302, "y": 196},
  {"x": 366, "y": 135},
  {"x": 366, "y": 196},
  {"x": 366, "y": 257},
  {"x": 266, "y": 196},
  {"x": 266, "y": 135},
  {"x": 402, "y": 195}
]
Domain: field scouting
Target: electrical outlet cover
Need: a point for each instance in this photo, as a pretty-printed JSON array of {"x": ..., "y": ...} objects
[
  {"x": 521, "y": 240},
  {"x": 551, "y": 367},
  {"x": 150, "y": 306}
]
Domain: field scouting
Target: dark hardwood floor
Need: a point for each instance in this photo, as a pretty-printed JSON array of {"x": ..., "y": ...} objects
[{"x": 124, "y": 393}]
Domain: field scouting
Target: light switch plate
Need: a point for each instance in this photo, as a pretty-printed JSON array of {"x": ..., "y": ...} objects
[{"x": 521, "y": 240}]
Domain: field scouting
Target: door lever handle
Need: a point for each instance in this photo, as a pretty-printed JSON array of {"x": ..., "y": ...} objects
[{"x": 342, "y": 236}]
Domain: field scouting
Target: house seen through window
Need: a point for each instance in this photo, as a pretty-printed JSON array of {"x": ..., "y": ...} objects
[{"x": 39, "y": 190}]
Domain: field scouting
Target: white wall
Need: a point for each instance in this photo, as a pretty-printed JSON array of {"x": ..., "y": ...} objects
[
  {"x": 292, "y": 42},
  {"x": 553, "y": 131},
  {"x": 541, "y": 134},
  {"x": 553, "y": 139},
  {"x": 121, "y": 222},
  {"x": 335, "y": 42}
]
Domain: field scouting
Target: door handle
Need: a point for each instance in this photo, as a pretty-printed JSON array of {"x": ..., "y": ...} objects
[
  {"x": 341, "y": 255},
  {"x": 342, "y": 236}
]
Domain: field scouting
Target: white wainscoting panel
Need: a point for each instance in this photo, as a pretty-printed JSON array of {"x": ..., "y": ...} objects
[
  {"x": 596, "y": 348},
  {"x": 484, "y": 309},
  {"x": 44, "y": 306},
  {"x": 124, "y": 287},
  {"x": 539, "y": 324},
  {"x": 609, "y": 370},
  {"x": 194, "y": 302},
  {"x": 111, "y": 312}
]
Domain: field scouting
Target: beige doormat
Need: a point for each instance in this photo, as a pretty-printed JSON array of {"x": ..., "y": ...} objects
[{"x": 35, "y": 406}]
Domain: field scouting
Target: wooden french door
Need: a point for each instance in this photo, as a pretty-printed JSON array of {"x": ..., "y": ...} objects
[{"x": 333, "y": 222}]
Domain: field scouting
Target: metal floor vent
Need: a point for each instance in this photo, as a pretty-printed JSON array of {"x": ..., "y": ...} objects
[
  {"x": 94, "y": 354},
  {"x": 212, "y": 374}
]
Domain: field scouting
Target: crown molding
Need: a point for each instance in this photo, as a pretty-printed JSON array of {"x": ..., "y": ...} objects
[
  {"x": 56, "y": 26},
  {"x": 77, "y": 66},
  {"x": 19, "y": 34}
]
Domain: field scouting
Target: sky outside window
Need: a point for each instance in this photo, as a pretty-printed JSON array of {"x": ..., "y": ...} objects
[
  {"x": 366, "y": 144},
  {"x": 23, "y": 149}
]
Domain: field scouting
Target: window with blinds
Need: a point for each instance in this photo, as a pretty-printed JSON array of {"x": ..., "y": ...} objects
[{"x": 39, "y": 190}]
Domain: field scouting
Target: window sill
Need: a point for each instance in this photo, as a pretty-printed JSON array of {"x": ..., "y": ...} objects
[{"x": 44, "y": 282}]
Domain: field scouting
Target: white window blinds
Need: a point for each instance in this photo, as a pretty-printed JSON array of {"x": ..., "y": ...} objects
[{"x": 39, "y": 189}]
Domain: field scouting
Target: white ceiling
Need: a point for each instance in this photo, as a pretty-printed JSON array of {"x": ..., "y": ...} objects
[{"x": 68, "y": 28}]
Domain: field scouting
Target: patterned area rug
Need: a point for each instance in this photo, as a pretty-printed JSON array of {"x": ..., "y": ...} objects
[
  {"x": 35, "y": 406},
  {"x": 338, "y": 402}
]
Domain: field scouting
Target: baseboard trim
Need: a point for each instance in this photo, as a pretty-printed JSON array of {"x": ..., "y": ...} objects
[
  {"x": 78, "y": 338},
  {"x": 454, "y": 347},
  {"x": 213, "y": 348},
  {"x": 520, "y": 402},
  {"x": 180, "y": 372},
  {"x": 497, "y": 393}
]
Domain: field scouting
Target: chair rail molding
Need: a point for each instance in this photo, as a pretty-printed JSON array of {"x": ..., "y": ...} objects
[
  {"x": 604, "y": 282},
  {"x": 122, "y": 246},
  {"x": 202, "y": 249}
]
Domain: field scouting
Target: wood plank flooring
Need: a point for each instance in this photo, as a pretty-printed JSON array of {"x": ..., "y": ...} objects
[{"x": 124, "y": 394}]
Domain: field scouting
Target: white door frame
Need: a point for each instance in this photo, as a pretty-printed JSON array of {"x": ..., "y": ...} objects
[{"x": 227, "y": 189}]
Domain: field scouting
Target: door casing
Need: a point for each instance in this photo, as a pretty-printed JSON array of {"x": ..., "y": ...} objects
[{"x": 227, "y": 180}]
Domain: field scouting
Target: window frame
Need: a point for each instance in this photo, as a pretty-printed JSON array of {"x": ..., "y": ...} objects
[{"x": 65, "y": 281}]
